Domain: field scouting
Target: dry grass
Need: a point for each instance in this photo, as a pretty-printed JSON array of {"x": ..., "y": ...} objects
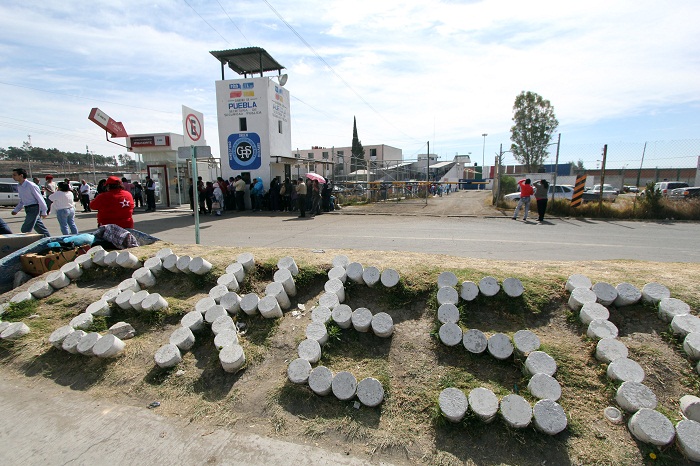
[{"x": 412, "y": 365}]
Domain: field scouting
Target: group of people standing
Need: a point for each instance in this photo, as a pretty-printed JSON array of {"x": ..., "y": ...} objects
[{"x": 541, "y": 191}]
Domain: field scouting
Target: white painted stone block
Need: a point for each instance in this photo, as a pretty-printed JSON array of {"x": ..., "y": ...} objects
[
  {"x": 526, "y": 342},
  {"x": 214, "y": 313},
  {"x": 3, "y": 326},
  {"x": 544, "y": 387},
  {"x": 578, "y": 281},
  {"x": 453, "y": 404},
  {"x": 475, "y": 341},
  {"x": 447, "y": 279},
  {"x": 318, "y": 332},
  {"x": 344, "y": 386},
  {"x": 513, "y": 287},
  {"x": 633, "y": 396},
  {"x": 341, "y": 315},
  {"x": 581, "y": 296},
  {"x": 232, "y": 358},
  {"x": 448, "y": 313},
  {"x": 539, "y": 362},
  {"x": 98, "y": 258},
  {"x": 81, "y": 321},
  {"x": 154, "y": 302},
  {"x": 127, "y": 260},
  {"x": 390, "y": 278},
  {"x": 87, "y": 343},
  {"x": 684, "y": 324},
  {"x": 228, "y": 280},
  {"x": 183, "y": 338},
  {"x": 284, "y": 277},
  {"x": 137, "y": 299},
  {"x": 483, "y": 403},
  {"x": 122, "y": 330},
  {"x": 672, "y": 307},
  {"x": 269, "y": 307},
  {"x": 488, "y": 286},
  {"x": 371, "y": 276},
  {"x": 289, "y": 264},
  {"x": 110, "y": 295},
  {"x": 450, "y": 334},
  {"x": 108, "y": 346},
  {"x": 222, "y": 323},
  {"x": 231, "y": 302},
  {"x": 144, "y": 277},
  {"x": 691, "y": 345},
  {"x": 321, "y": 380},
  {"x": 163, "y": 253},
  {"x": 167, "y": 356},
  {"x": 382, "y": 325},
  {"x": 310, "y": 350},
  {"x": 330, "y": 300},
  {"x": 610, "y": 349},
  {"x": 370, "y": 392},
  {"x": 154, "y": 265},
  {"x": 500, "y": 346},
  {"x": 129, "y": 284},
  {"x": 549, "y": 417},
  {"x": 690, "y": 407},
  {"x": 627, "y": 294},
  {"x": 652, "y": 427},
  {"x": 21, "y": 297},
  {"x": 226, "y": 338},
  {"x": 338, "y": 273},
  {"x": 593, "y": 311},
  {"x": 340, "y": 261},
  {"x": 204, "y": 304},
  {"x": 654, "y": 292},
  {"x": 625, "y": 370},
  {"x": 40, "y": 289},
  {"x": 14, "y": 330},
  {"x": 247, "y": 260},
  {"x": 298, "y": 371},
  {"x": 335, "y": 286},
  {"x": 688, "y": 439},
  {"x": 70, "y": 343},
  {"x": 84, "y": 261},
  {"x": 110, "y": 259},
  {"x": 57, "y": 336},
  {"x": 605, "y": 293},
  {"x": 447, "y": 294},
  {"x": 200, "y": 266},
  {"x": 170, "y": 263},
  {"x": 322, "y": 314},
  {"x": 236, "y": 269},
  {"x": 276, "y": 290},
  {"x": 183, "y": 264},
  {"x": 193, "y": 320},
  {"x": 72, "y": 270},
  {"x": 249, "y": 303},
  {"x": 361, "y": 319},
  {"x": 123, "y": 299},
  {"x": 469, "y": 291},
  {"x": 57, "y": 280},
  {"x": 354, "y": 271},
  {"x": 600, "y": 328},
  {"x": 516, "y": 411}
]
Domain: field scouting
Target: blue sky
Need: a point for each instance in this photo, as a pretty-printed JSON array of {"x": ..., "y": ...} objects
[{"x": 619, "y": 73}]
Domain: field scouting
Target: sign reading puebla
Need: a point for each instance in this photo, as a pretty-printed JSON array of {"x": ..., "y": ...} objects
[{"x": 244, "y": 151}]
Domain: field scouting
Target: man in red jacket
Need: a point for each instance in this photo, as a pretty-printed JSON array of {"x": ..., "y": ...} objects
[
  {"x": 114, "y": 206},
  {"x": 526, "y": 190}
]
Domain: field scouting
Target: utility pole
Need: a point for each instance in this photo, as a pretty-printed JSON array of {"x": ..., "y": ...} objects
[
  {"x": 94, "y": 174},
  {"x": 556, "y": 167},
  {"x": 29, "y": 160},
  {"x": 602, "y": 177}
]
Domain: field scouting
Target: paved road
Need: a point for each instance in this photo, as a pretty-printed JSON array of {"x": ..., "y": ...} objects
[{"x": 413, "y": 227}]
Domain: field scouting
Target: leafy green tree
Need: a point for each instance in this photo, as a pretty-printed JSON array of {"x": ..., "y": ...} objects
[
  {"x": 534, "y": 125},
  {"x": 357, "y": 158}
]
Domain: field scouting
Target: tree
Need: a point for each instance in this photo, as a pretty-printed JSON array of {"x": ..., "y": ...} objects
[
  {"x": 357, "y": 158},
  {"x": 124, "y": 159},
  {"x": 534, "y": 125},
  {"x": 578, "y": 166}
]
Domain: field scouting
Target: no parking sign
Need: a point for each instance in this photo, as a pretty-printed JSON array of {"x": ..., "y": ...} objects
[{"x": 244, "y": 151}]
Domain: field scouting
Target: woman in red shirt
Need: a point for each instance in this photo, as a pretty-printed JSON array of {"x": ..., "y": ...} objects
[{"x": 114, "y": 206}]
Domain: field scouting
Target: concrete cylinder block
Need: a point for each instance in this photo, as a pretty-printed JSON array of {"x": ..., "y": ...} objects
[
  {"x": 3, "y": 326},
  {"x": 72, "y": 270},
  {"x": 110, "y": 259},
  {"x": 581, "y": 296},
  {"x": 344, "y": 386},
  {"x": 154, "y": 265},
  {"x": 605, "y": 293},
  {"x": 123, "y": 299},
  {"x": 183, "y": 264},
  {"x": 167, "y": 356},
  {"x": 289, "y": 264},
  {"x": 672, "y": 307},
  {"x": 355, "y": 271},
  {"x": 544, "y": 387},
  {"x": 236, "y": 269},
  {"x": 627, "y": 294},
  {"x": 609, "y": 349},
  {"x": 625, "y": 370},
  {"x": 453, "y": 404},
  {"x": 269, "y": 308},
  {"x": 183, "y": 338},
  {"x": 70, "y": 343},
  {"x": 21, "y": 297},
  {"x": 81, "y": 321},
  {"x": 129, "y": 284},
  {"x": 137, "y": 299},
  {"x": 204, "y": 304},
  {"x": 652, "y": 427},
  {"x": 382, "y": 325},
  {"x": 57, "y": 336},
  {"x": 144, "y": 277},
  {"x": 276, "y": 290},
  {"x": 98, "y": 258},
  {"x": 226, "y": 338},
  {"x": 539, "y": 362},
  {"x": 318, "y": 332},
  {"x": 469, "y": 291},
  {"x": 40, "y": 289},
  {"x": 690, "y": 407},
  {"x": 370, "y": 392},
  {"x": 127, "y": 260},
  {"x": 15, "y": 330},
  {"x": 247, "y": 260},
  {"x": 526, "y": 342},
  {"x": 500, "y": 346},
  {"x": 193, "y": 320},
  {"x": 200, "y": 266},
  {"x": 578, "y": 281},
  {"x": 154, "y": 302},
  {"x": 337, "y": 287},
  {"x": 57, "y": 280},
  {"x": 321, "y": 380},
  {"x": 163, "y": 253},
  {"x": 108, "y": 346},
  {"x": 601, "y": 328},
  {"x": 170, "y": 263},
  {"x": 230, "y": 281},
  {"x": 231, "y": 302},
  {"x": 474, "y": 341},
  {"x": 284, "y": 277},
  {"x": 592, "y": 311},
  {"x": 448, "y": 313},
  {"x": 214, "y": 313},
  {"x": 110, "y": 295},
  {"x": 340, "y": 261},
  {"x": 217, "y": 292},
  {"x": 483, "y": 403},
  {"x": 447, "y": 294},
  {"x": 691, "y": 345},
  {"x": 338, "y": 273},
  {"x": 450, "y": 334},
  {"x": 84, "y": 261},
  {"x": 341, "y": 315},
  {"x": 549, "y": 417},
  {"x": 633, "y": 396},
  {"x": 447, "y": 279},
  {"x": 688, "y": 439},
  {"x": 513, "y": 287},
  {"x": 371, "y": 276},
  {"x": 390, "y": 278},
  {"x": 684, "y": 324},
  {"x": 298, "y": 371},
  {"x": 87, "y": 343},
  {"x": 249, "y": 303},
  {"x": 516, "y": 411},
  {"x": 361, "y": 319},
  {"x": 321, "y": 314},
  {"x": 653, "y": 292},
  {"x": 122, "y": 330},
  {"x": 488, "y": 286},
  {"x": 330, "y": 300},
  {"x": 310, "y": 350},
  {"x": 93, "y": 250},
  {"x": 232, "y": 358}
]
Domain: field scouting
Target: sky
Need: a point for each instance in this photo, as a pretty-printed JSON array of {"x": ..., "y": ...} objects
[{"x": 622, "y": 73}]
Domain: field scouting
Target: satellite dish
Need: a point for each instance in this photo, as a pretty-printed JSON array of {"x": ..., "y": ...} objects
[{"x": 283, "y": 79}]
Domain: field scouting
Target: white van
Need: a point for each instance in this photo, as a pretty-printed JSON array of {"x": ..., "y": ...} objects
[{"x": 8, "y": 193}]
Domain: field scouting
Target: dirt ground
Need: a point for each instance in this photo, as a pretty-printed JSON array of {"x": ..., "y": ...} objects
[{"x": 412, "y": 365}]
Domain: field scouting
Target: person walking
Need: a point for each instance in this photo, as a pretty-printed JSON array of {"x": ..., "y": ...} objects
[
  {"x": 525, "y": 192},
  {"x": 150, "y": 195},
  {"x": 85, "y": 195},
  {"x": 49, "y": 189},
  {"x": 114, "y": 206},
  {"x": 64, "y": 206},
  {"x": 301, "y": 197},
  {"x": 34, "y": 205},
  {"x": 541, "y": 193}
]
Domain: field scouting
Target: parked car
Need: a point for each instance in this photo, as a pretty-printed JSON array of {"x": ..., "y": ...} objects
[
  {"x": 8, "y": 193},
  {"x": 560, "y": 192},
  {"x": 630, "y": 189},
  {"x": 685, "y": 193},
  {"x": 665, "y": 187},
  {"x": 609, "y": 194}
]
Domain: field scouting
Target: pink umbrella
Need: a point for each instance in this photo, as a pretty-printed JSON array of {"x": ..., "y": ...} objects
[{"x": 316, "y": 176}]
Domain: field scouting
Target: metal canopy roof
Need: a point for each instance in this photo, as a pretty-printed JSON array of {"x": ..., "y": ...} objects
[{"x": 247, "y": 61}]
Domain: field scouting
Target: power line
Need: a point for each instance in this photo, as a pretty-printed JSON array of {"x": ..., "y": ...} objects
[
  {"x": 234, "y": 24},
  {"x": 205, "y": 21}
]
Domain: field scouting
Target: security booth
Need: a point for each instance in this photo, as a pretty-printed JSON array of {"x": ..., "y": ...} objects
[{"x": 158, "y": 152}]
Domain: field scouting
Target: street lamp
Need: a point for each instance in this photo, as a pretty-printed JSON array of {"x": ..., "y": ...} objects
[{"x": 483, "y": 158}]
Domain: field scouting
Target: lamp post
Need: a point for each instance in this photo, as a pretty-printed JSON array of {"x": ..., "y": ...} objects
[{"x": 483, "y": 157}]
